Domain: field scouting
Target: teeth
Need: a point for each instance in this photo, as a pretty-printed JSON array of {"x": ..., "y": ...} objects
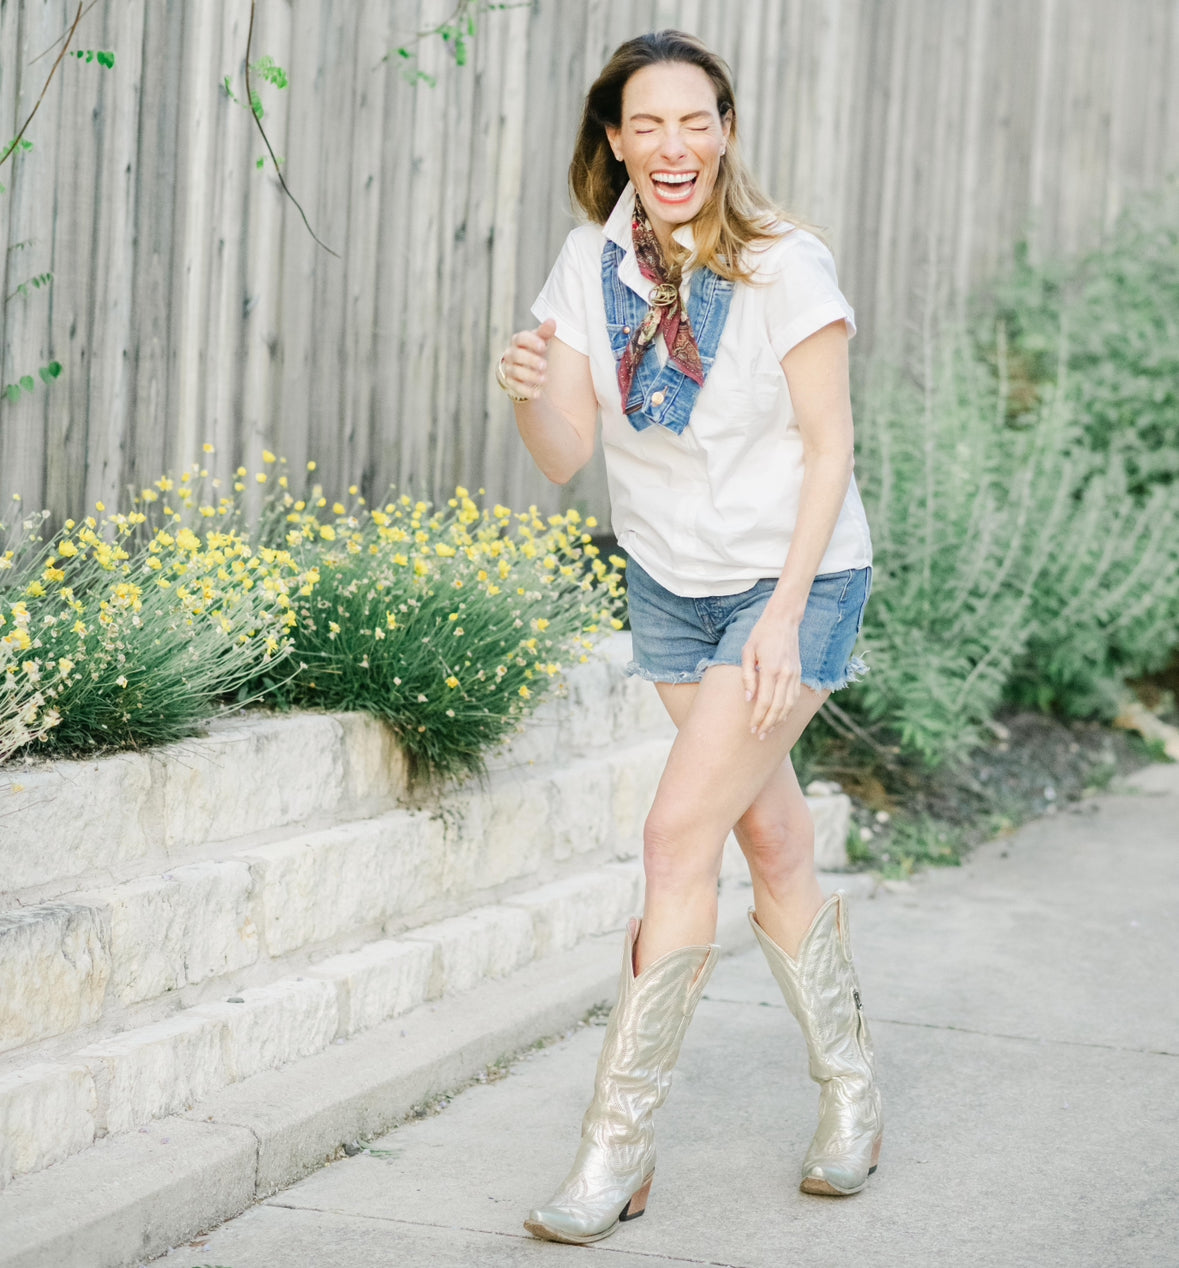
[{"x": 679, "y": 178}]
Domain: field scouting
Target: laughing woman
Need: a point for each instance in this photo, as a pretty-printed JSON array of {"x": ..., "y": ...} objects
[{"x": 710, "y": 336}]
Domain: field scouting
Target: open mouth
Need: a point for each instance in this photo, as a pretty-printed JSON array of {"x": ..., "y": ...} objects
[{"x": 674, "y": 187}]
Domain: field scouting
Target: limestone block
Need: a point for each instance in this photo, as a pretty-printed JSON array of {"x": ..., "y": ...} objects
[
  {"x": 511, "y": 842},
  {"x": 315, "y": 885},
  {"x": 580, "y": 821},
  {"x": 46, "y": 1114},
  {"x": 274, "y": 1024},
  {"x": 54, "y": 966},
  {"x": 587, "y": 720},
  {"x": 381, "y": 980},
  {"x": 168, "y": 931},
  {"x": 158, "y": 1069},
  {"x": 565, "y": 911},
  {"x": 832, "y": 815},
  {"x": 64, "y": 820},
  {"x": 374, "y": 766},
  {"x": 485, "y": 942},
  {"x": 635, "y": 772},
  {"x": 249, "y": 774}
]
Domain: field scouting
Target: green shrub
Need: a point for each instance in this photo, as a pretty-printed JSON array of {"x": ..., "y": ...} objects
[
  {"x": 1007, "y": 569},
  {"x": 451, "y": 626},
  {"x": 1105, "y": 330}
]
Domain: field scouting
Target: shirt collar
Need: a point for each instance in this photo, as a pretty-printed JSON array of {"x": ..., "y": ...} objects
[{"x": 617, "y": 229}]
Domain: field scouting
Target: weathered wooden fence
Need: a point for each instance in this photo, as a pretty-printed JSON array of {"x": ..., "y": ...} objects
[{"x": 189, "y": 304}]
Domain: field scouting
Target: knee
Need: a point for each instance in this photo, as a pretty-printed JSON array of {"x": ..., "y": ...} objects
[
  {"x": 676, "y": 853},
  {"x": 777, "y": 846}
]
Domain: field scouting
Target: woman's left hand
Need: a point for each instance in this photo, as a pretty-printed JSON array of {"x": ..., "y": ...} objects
[{"x": 771, "y": 671}]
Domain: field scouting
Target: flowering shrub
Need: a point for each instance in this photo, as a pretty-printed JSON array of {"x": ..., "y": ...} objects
[{"x": 450, "y": 624}]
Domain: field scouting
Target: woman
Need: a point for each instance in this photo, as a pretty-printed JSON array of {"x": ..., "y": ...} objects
[{"x": 711, "y": 337}]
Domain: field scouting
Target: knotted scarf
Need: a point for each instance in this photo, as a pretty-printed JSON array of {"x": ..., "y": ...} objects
[{"x": 668, "y": 314}]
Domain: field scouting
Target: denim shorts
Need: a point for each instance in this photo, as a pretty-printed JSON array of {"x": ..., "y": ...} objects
[{"x": 675, "y": 639}]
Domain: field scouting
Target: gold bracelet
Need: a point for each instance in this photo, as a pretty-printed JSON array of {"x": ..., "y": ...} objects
[{"x": 502, "y": 379}]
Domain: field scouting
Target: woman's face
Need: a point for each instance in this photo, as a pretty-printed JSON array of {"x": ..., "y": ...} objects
[{"x": 671, "y": 139}]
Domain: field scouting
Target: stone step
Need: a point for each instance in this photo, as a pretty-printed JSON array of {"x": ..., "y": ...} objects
[
  {"x": 88, "y": 959},
  {"x": 72, "y": 824},
  {"x": 51, "y": 1109},
  {"x": 133, "y": 1195}
]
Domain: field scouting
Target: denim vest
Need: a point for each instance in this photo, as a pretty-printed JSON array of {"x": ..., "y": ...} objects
[{"x": 663, "y": 394}]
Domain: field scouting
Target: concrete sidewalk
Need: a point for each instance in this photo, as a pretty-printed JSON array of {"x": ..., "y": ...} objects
[{"x": 1026, "y": 1024}]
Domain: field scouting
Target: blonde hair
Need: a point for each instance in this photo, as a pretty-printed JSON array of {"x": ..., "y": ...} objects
[{"x": 737, "y": 214}]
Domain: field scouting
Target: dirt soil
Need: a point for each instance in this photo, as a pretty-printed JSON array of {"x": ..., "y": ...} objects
[{"x": 1037, "y": 765}]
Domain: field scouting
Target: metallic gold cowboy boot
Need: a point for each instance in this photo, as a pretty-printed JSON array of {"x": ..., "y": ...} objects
[
  {"x": 615, "y": 1162},
  {"x": 822, "y": 992}
]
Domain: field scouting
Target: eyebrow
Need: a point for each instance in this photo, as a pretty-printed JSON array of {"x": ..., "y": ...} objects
[{"x": 654, "y": 118}]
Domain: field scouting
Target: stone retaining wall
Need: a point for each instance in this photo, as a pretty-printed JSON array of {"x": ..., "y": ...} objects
[{"x": 178, "y": 921}]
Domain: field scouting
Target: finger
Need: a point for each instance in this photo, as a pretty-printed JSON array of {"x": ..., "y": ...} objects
[
  {"x": 762, "y": 702},
  {"x": 749, "y": 672},
  {"x": 777, "y": 709},
  {"x": 546, "y": 330}
]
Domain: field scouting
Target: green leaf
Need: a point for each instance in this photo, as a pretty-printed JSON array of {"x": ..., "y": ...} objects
[
  {"x": 26, "y": 145},
  {"x": 256, "y": 103},
  {"x": 404, "y": 52},
  {"x": 107, "y": 59},
  {"x": 27, "y": 382},
  {"x": 54, "y": 368},
  {"x": 228, "y": 90},
  {"x": 460, "y": 51},
  {"x": 261, "y": 162},
  {"x": 12, "y": 391}
]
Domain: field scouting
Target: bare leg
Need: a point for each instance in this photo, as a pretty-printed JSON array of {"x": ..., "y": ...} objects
[{"x": 714, "y": 774}]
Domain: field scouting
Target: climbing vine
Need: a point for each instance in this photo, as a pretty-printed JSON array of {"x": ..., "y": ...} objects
[{"x": 455, "y": 32}]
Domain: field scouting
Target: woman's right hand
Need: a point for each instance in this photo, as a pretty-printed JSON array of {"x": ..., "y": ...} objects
[{"x": 525, "y": 364}]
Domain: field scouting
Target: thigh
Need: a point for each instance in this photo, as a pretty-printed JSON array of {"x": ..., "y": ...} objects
[{"x": 716, "y": 768}]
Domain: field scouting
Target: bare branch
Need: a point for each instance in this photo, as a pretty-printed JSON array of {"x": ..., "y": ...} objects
[
  {"x": 59, "y": 39},
  {"x": 69, "y": 36},
  {"x": 266, "y": 139}
]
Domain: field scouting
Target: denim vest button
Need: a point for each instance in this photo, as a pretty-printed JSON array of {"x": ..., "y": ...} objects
[{"x": 656, "y": 398}]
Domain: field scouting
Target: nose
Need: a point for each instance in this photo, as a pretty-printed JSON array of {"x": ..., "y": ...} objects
[{"x": 673, "y": 146}]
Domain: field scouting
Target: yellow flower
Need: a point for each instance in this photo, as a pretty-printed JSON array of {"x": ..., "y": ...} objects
[
  {"x": 100, "y": 506},
  {"x": 261, "y": 477},
  {"x": 452, "y": 682},
  {"x": 267, "y": 456},
  {"x": 67, "y": 549},
  {"x": 80, "y": 628},
  {"x": 64, "y": 664},
  {"x": 540, "y": 624},
  {"x": 53, "y": 574},
  {"x": 337, "y": 508},
  {"x": 525, "y": 692},
  {"x": 327, "y": 532},
  {"x": 615, "y": 623},
  {"x": 208, "y": 448}
]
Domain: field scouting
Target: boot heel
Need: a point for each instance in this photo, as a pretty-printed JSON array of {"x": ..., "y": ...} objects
[
  {"x": 638, "y": 1202},
  {"x": 875, "y": 1154}
]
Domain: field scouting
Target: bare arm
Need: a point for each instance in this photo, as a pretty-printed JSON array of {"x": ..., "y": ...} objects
[
  {"x": 817, "y": 373},
  {"x": 559, "y": 416}
]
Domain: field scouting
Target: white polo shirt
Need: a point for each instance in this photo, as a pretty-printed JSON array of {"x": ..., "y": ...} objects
[{"x": 711, "y": 511}]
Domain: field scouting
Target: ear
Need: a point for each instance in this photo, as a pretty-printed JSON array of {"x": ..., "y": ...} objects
[
  {"x": 727, "y": 125},
  {"x": 614, "y": 136}
]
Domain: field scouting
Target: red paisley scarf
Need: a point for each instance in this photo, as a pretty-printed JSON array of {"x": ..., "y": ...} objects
[{"x": 668, "y": 314}]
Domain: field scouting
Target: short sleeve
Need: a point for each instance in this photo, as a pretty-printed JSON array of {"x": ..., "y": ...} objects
[
  {"x": 802, "y": 293},
  {"x": 563, "y": 297}
]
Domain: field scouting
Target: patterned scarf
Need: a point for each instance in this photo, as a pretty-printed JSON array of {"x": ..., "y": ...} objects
[{"x": 668, "y": 315}]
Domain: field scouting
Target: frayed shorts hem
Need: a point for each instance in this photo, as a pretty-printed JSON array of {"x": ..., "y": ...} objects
[{"x": 854, "y": 671}]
